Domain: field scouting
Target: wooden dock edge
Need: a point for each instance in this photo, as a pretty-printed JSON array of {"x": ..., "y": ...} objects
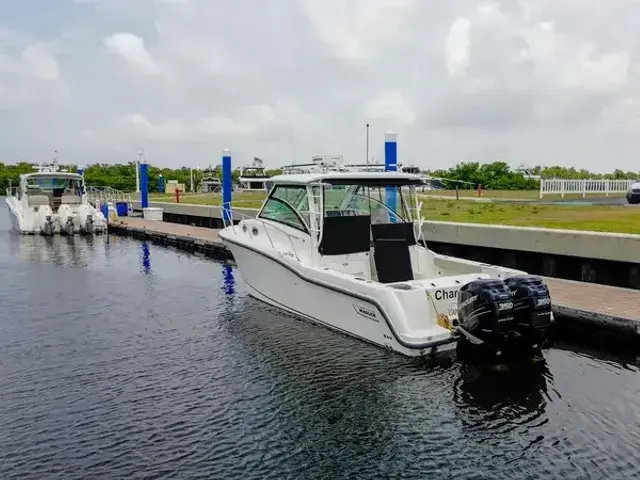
[
  {"x": 209, "y": 248},
  {"x": 564, "y": 316}
]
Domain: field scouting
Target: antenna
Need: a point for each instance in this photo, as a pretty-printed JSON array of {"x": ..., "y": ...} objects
[{"x": 367, "y": 150}]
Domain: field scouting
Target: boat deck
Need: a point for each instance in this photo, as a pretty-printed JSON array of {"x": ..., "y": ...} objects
[{"x": 611, "y": 307}]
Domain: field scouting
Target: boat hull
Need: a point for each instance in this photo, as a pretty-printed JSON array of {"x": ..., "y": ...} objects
[
  {"x": 278, "y": 283},
  {"x": 44, "y": 221}
]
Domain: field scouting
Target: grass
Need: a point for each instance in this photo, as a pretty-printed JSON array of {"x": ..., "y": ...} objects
[
  {"x": 240, "y": 199},
  {"x": 515, "y": 194},
  {"x": 599, "y": 218}
]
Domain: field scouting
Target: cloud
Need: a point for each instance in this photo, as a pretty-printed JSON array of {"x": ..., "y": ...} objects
[
  {"x": 132, "y": 49},
  {"x": 533, "y": 81}
]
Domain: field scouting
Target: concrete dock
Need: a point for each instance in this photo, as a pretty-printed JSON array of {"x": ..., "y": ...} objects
[{"x": 613, "y": 309}]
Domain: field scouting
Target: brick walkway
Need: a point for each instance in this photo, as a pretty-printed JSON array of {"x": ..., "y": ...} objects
[
  {"x": 592, "y": 297},
  {"x": 621, "y": 303}
]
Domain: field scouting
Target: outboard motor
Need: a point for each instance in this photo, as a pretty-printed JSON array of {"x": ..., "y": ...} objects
[
  {"x": 485, "y": 312},
  {"x": 68, "y": 226},
  {"x": 531, "y": 307},
  {"x": 48, "y": 226},
  {"x": 88, "y": 226}
]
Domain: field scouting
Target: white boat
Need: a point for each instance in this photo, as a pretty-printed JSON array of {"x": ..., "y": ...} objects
[
  {"x": 253, "y": 177},
  {"x": 346, "y": 250},
  {"x": 51, "y": 201}
]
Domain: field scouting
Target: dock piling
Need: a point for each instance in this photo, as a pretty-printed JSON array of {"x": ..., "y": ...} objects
[
  {"x": 226, "y": 186},
  {"x": 391, "y": 165},
  {"x": 144, "y": 183}
]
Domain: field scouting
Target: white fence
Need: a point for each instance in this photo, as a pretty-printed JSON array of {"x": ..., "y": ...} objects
[{"x": 553, "y": 186}]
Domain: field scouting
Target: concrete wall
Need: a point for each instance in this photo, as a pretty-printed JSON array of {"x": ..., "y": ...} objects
[
  {"x": 603, "y": 246},
  {"x": 607, "y": 258}
]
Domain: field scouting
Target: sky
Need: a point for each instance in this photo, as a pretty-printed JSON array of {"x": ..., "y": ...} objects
[{"x": 532, "y": 82}]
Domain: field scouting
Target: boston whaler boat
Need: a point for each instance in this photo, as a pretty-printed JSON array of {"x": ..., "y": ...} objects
[
  {"x": 345, "y": 250},
  {"x": 51, "y": 201}
]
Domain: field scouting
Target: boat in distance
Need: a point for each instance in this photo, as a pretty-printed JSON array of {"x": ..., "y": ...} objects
[
  {"x": 346, "y": 250},
  {"x": 53, "y": 201}
]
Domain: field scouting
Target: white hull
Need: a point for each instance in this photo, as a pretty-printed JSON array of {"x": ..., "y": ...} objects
[
  {"x": 69, "y": 220},
  {"x": 329, "y": 253},
  {"x": 293, "y": 288}
]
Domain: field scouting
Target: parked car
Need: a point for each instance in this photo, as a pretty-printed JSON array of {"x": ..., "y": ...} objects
[{"x": 633, "y": 195}]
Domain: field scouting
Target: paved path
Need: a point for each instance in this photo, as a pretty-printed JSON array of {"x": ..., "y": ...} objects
[{"x": 595, "y": 303}]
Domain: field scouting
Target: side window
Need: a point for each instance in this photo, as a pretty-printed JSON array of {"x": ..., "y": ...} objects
[{"x": 288, "y": 205}]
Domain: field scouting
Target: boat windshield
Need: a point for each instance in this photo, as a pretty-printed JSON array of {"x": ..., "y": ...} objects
[
  {"x": 385, "y": 204},
  {"x": 253, "y": 172},
  {"x": 289, "y": 205},
  {"x": 54, "y": 184}
]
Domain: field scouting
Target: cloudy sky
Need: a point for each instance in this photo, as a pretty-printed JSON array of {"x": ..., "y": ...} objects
[{"x": 525, "y": 81}]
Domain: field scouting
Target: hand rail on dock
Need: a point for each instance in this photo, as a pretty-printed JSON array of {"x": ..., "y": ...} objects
[{"x": 106, "y": 194}]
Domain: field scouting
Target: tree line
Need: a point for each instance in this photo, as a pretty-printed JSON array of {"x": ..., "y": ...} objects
[
  {"x": 494, "y": 176},
  {"x": 499, "y": 176}
]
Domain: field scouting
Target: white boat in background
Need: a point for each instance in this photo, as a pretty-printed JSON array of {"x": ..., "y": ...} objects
[
  {"x": 345, "y": 250},
  {"x": 253, "y": 177},
  {"x": 51, "y": 201}
]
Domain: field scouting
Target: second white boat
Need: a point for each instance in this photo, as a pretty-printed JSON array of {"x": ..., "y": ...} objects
[{"x": 50, "y": 201}]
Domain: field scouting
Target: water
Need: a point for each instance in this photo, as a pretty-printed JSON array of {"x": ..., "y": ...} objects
[{"x": 125, "y": 360}]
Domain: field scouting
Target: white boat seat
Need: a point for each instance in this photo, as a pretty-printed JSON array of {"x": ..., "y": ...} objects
[
  {"x": 38, "y": 200},
  {"x": 70, "y": 200}
]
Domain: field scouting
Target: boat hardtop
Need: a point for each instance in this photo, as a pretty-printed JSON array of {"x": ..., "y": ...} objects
[{"x": 388, "y": 178}]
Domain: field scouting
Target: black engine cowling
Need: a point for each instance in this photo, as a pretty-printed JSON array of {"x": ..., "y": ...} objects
[
  {"x": 531, "y": 306},
  {"x": 485, "y": 309},
  {"x": 499, "y": 312}
]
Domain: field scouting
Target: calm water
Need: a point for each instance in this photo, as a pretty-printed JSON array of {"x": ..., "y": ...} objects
[{"x": 124, "y": 360}]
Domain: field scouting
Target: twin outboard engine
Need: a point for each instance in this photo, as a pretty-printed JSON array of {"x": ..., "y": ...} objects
[
  {"x": 515, "y": 312},
  {"x": 531, "y": 307}
]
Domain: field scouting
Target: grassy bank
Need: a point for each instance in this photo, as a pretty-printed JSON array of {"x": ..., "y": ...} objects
[
  {"x": 599, "y": 218},
  {"x": 515, "y": 194}
]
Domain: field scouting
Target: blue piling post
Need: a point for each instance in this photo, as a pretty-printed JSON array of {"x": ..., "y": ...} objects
[
  {"x": 160, "y": 184},
  {"x": 226, "y": 186},
  {"x": 80, "y": 170},
  {"x": 391, "y": 165},
  {"x": 144, "y": 184}
]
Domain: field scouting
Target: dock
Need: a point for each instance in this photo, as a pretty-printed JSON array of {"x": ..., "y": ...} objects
[{"x": 613, "y": 309}]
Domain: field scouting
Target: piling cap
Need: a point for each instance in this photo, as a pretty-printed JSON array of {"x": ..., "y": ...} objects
[
  {"x": 390, "y": 136},
  {"x": 226, "y": 151}
]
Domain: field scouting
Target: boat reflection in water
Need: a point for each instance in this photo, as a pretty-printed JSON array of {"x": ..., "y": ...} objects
[
  {"x": 65, "y": 251},
  {"x": 145, "y": 258},
  {"x": 334, "y": 393}
]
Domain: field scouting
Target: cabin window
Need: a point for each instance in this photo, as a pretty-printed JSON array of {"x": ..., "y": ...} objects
[
  {"x": 289, "y": 205},
  {"x": 370, "y": 200},
  {"x": 58, "y": 186}
]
